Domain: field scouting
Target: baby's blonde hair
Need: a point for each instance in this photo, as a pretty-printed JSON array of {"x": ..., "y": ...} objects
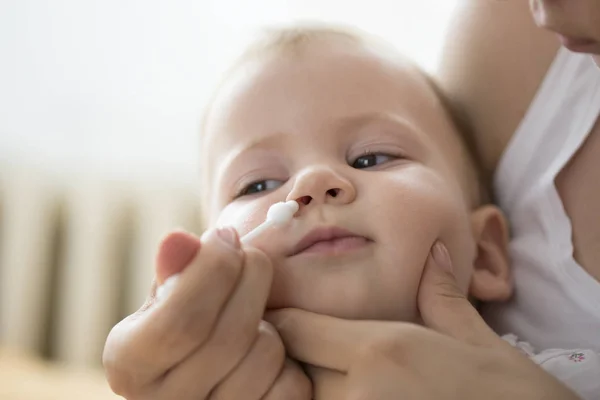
[{"x": 293, "y": 42}]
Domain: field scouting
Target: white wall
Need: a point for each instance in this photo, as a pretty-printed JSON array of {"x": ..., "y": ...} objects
[{"x": 117, "y": 86}]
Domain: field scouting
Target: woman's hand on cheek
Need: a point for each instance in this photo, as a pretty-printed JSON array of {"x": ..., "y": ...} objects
[{"x": 456, "y": 357}]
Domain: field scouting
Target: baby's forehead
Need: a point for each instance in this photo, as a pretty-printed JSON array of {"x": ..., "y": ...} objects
[{"x": 337, "y": 71}]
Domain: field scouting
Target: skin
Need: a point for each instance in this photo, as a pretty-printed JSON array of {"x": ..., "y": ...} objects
[
  {"x": 202, "y": 336},
  {"x": 493, "y": 72},
  {"x": 576, "y": 23},
  {"x": 293, "y": 128},
  {"x": 206, "y": 340}
]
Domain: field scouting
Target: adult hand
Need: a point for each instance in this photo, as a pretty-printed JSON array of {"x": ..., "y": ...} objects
[
  {"x": 205, "y": 340},
  {"x": 457, "y": 357}
]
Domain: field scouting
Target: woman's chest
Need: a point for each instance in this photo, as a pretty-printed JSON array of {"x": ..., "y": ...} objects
[{"x": 578, "y": 185}]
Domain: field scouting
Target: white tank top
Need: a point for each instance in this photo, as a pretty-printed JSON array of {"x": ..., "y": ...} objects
[{"x": 556, "y": 302}]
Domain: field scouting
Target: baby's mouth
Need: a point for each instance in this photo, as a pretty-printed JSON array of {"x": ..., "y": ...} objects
[{"x": 330, "y": 240}]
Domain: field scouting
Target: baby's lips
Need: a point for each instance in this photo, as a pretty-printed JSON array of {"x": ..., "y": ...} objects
[{"x": 175, "y": 252}]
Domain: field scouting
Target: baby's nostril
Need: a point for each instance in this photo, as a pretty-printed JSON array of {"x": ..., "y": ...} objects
[
  {"x": 305, "y": 200},
  {"x": 333, "y": 192}
]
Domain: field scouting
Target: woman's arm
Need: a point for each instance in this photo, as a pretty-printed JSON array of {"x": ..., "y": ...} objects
[{"x": 493, "y": 61}]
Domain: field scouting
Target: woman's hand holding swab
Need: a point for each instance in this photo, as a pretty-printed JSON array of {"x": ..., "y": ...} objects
[{"x": 278, "y": 214}]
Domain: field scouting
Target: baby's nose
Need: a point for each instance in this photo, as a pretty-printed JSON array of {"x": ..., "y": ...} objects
[{"x": 320, "y": 186}]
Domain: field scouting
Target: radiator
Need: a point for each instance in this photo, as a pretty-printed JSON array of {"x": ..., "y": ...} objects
[{"x": 77, "y": 255}]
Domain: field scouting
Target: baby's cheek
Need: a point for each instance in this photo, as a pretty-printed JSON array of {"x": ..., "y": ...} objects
[
  {"x": 243, "y": 217},
  {"x": 447, "y": 219}
]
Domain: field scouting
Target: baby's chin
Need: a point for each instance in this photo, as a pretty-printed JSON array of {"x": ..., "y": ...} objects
[
  {"x": 362, "y": 291},
  {"x": 345, "y": 311}
]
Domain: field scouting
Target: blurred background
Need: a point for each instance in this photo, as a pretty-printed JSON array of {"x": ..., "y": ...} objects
[{"x": 100, "y": 104}]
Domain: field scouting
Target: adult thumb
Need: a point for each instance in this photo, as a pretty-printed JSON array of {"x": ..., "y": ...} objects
[
  {"x": 443, "y": 305},
  {"x": 175, "y": 252}
]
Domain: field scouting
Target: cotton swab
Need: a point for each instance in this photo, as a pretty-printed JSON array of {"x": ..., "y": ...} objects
[{"x": 279, "y": 214}]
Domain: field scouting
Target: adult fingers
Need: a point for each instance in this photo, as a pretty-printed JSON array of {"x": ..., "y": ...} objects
[
  {"x": 355, "y": 357},
  {"x": 175, "y": 252},
  {"x": 232, "y": 337},
  {"x": 256, "y": 373},
  {"x": 445, "y": 308},
  {"x": 327, "y": 383},
  {"x": 291, "y": 384},
  {"x": 143, "y": 346},
  {"x": 322, "y": 340}
]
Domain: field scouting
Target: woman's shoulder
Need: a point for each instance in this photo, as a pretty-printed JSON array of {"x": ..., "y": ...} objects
[{"x": 493, "y": 62}]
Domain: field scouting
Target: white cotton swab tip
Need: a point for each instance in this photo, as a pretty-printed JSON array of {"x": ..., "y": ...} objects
[{"x": 281, "y": 213}]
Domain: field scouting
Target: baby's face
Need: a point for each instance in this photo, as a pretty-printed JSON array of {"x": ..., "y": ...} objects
[{"x": 363, "y": 144}]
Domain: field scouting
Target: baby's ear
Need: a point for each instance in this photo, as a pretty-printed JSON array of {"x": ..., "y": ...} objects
[{"x": 491, "y": 279}]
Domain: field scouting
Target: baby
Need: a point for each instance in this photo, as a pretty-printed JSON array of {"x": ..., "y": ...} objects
[
  {"x": 356, "y": 135},
  {"x": 379, "y": 166}
]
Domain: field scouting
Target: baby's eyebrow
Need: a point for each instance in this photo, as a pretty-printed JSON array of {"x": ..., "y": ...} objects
[
  {"x": 273, "y": 140},
  {"x": 257, "y": 146},
  {"x": 359, "y": 121}
]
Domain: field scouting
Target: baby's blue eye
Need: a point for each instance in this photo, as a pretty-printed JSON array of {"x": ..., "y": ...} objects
[
  {"x": 370, "y": 160},
  {"x": 259, "y": 186}
]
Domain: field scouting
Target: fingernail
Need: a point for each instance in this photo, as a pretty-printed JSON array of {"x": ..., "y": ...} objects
[
  {"x": 441, "y": 256},
  {"x": 229, "y": 236}
]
